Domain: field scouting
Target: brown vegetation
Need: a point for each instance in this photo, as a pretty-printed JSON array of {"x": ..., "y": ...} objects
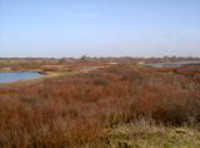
[{"x": 78, "y": 111}]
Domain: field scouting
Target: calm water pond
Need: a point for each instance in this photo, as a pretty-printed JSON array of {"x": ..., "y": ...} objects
[
  {"x": 175, "y": 64},
  {"x": 8, "y": 77}
]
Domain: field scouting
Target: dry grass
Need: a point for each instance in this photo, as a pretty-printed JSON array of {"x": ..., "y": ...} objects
[
  {"x": 79, "y": 110},
  {"x": 146, "y": 134}
]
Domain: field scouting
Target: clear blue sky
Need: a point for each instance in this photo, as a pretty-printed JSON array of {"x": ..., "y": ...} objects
[{"x": 68, "y": 28}]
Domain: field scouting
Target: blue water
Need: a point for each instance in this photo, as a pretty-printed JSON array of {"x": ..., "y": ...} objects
[
  {"x": 175, "y": 64},
  {"x": 8, "y": 77}
]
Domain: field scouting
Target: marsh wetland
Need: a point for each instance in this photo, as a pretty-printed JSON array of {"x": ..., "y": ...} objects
[{"x": 94, "y": 103}]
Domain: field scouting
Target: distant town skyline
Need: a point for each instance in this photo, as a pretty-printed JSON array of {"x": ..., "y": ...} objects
[{"x": 137, "y": 28}]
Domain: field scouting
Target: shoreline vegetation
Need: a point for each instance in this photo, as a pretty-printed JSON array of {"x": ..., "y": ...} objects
[
  {"x": 101, "y": 102},
  {"x": 47, "y": 75}
]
